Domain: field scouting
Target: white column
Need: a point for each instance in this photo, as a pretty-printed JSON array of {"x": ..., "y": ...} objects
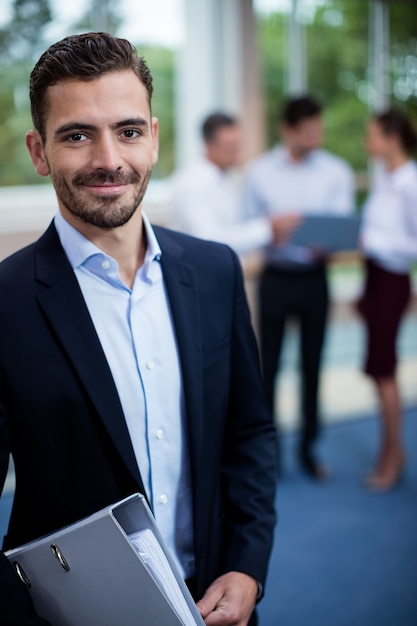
[
  {"x": 296, "y": 79},
  {"x": 217, "y": 70},
  {"x": 198, "y": 83},
  {"x": 378, "y": 54},
  {"x": 231, "y": 62}
]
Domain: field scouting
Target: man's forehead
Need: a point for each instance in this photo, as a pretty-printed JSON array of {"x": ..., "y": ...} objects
[
  {"x": 108, "y": 95},
  {"x": 73, "y": 82},
  {"x": 228, "y": 132},
  {"x": 308, "y": 122}
]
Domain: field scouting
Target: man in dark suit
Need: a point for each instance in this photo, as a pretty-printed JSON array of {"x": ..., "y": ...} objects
[{"x": 127, "y": 358}]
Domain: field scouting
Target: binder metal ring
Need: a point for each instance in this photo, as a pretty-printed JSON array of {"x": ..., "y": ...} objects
[
  {"x": 57, "y": 552},
  {"x": 22, "y": 574}
]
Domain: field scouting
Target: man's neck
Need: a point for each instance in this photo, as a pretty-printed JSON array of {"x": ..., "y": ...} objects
[
  {"x": 396, "y": 160},
  {"x": 126, "y": 244},
  {"x": 298, "y": 156},
  {"x": 218, "y": 165}
]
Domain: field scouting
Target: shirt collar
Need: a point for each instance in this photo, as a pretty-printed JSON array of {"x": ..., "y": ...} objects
[
  {"x": 404, "y": 171},
  {"x": 215, "y": 168},
  {"x": 283, "y": 157},
  {"x": 78, "y": 248}
]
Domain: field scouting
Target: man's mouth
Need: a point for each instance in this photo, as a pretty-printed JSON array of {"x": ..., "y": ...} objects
[
  {"x": 106, "y": 180},
  {"x": 106, "y": 188}
]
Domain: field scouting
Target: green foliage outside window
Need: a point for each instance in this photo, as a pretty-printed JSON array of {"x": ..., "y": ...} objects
[
  {"x": 161, "y": 62},
  {"x": 337, "y": 39},
  {"x": 337, "y": 59}
]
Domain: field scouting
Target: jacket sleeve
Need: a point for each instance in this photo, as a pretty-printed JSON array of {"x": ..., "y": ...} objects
[
  {"x": 249, "y": 463},
  {"x": 15, "y": 604}
]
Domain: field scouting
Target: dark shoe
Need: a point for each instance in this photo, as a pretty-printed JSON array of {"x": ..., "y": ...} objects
[{"x": 311, "y": 466}]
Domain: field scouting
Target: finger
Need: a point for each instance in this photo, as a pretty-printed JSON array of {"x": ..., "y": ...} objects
[
  {"x": 208, "y": 602},
  {"x": 225, "y": 614}
]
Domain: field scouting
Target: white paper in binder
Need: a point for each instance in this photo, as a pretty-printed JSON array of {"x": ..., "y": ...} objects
[
  {"x": 112, "y": 568},
  {"x": 154, "y": 558}
]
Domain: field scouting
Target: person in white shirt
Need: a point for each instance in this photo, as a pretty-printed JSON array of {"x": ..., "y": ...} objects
[
  {"x": 205, "y": 195},
  {"x": 389, "y": 244},
  {"x": 294, "y": 179}
]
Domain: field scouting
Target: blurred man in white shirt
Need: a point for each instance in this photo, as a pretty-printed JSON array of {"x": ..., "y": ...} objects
[{"x": 205, "y": 196}]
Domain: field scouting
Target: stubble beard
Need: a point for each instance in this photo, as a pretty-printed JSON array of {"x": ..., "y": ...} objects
[{"x": 104, "y": 212}]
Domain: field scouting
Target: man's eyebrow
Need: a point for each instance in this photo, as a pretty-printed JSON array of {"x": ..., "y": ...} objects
[
  {"x": 131, "y": 121},
  {"x": 73, "y": 127},
  {"x": 82, "y": 126}
]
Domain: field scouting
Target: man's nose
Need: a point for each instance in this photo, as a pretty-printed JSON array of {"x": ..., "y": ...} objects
[{"x": 106, "y": 153}]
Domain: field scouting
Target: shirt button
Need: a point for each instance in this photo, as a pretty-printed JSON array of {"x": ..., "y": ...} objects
[
  {"x": 105, "y": 265},
  {"x": 163, "y": 499},
  {"x": 150, "y": 365},
  {"x": 160, "y": 433}
]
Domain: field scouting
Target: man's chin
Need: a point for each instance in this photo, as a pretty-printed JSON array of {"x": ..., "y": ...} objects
[
  {"x": 111, "y": 220},
  {"x": 105, "y": 215}
]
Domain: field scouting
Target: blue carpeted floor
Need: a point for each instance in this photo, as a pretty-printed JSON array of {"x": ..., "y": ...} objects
[{"x": 342, "y": 557}]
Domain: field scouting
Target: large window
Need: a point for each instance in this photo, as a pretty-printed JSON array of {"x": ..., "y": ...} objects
[
  {"x": 28, "y": 27},
  {"x": 336, "y": 51},
  {"x": 335, "y": 45}
]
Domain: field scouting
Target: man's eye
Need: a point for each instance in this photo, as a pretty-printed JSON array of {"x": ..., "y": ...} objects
[
  {"x": 76, "y": 137},
  {"x": 131, "y": 133}
]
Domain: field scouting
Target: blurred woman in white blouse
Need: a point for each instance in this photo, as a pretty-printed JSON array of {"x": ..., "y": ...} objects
[{"x": 389, "y": 247}]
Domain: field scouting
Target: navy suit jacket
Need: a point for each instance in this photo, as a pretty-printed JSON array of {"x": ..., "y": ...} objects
[{"x": 61, "y": 418}]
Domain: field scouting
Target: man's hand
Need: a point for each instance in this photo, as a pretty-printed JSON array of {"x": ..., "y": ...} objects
[
  {"x": 229, "y": 601},
  {"x": 283, "y": 225}
]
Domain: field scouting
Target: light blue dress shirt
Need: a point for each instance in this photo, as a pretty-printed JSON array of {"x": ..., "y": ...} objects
[
  {"x": 137, "y": 335},
  {"x": 321, "y": 183}
]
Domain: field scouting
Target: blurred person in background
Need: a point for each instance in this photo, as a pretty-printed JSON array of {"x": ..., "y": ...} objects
[
  {"x": 389, "y": 245},
  {"x": 294, "y": 179},
  {"x": 205, "y": 195}
]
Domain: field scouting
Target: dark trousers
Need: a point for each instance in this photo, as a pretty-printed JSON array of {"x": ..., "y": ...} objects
[{"x": 300, "y": 294}]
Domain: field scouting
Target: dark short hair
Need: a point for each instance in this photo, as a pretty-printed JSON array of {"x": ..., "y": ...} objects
[
  {"x": 395, "y": 122},
  {"x": 213, "y": 122},
  {"x": 82, "y": 57},
  {"x": 296, "y": 110}
]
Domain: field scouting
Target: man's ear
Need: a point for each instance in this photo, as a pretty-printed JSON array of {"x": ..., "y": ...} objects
[
  {"x": 155, "y": 139},
  {"x": 34, "y": 144}
]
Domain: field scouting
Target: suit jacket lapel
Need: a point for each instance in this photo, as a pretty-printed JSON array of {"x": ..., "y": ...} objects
[
  {"x": 60, "y": 297},
  {"x": 181, "y": 283}
]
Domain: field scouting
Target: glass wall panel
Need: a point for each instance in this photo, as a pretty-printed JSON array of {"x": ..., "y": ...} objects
[{"x": 338, "y": 52}]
